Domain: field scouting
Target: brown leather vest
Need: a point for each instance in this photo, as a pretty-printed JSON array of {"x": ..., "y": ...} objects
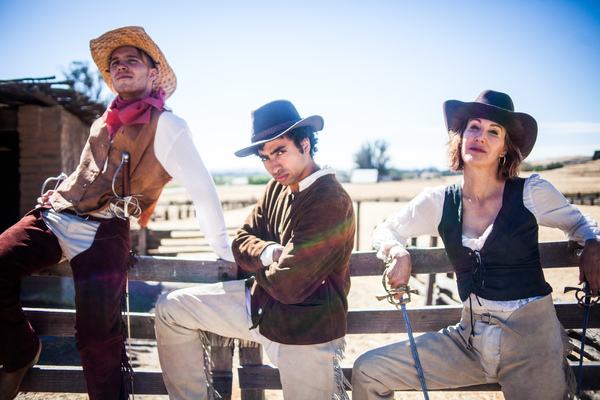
[{"x": 89, "y": 188}]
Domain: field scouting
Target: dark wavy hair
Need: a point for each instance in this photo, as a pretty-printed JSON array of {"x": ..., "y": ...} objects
[
  {"x": 508, "y": 170},
  {"x": 304, "y": 132},
  {"x": 297, "y": 136}
]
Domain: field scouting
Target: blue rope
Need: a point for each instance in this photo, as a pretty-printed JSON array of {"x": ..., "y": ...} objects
[
  {"x": 586, "y": 314},
  {"x": 584, "y": 298},
  {"x": 413, "y": 345}
]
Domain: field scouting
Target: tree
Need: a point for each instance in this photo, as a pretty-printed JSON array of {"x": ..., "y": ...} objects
[
  {"x": 87, "y": 81},
  {"x": 373, "y": 155}
]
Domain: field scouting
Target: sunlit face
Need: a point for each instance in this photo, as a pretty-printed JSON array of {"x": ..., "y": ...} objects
[
  {"x": 483, "y": 143},
  {"x": 284, "y": 161},
  {"x": 131, "y": 73}
]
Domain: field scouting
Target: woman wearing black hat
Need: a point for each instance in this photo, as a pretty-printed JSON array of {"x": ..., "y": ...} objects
[{"x": 509, "y": 333}]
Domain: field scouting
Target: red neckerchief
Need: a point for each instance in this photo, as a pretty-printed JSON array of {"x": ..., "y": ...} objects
[{"x": 127, "y": 112}]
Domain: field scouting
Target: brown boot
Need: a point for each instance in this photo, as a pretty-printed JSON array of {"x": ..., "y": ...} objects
[{"x": 10, "y": 381}]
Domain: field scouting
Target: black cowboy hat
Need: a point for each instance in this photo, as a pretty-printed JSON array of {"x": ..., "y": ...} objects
[
  {"x": 497, "y": 107},
  {"x": 273, "y": 120}
]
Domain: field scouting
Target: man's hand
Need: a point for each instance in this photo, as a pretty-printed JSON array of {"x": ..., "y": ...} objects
[
  {"x": 44, "y": 201},
  {"x": 400, "y": 267},
  {"x": 589, "y": 265}
]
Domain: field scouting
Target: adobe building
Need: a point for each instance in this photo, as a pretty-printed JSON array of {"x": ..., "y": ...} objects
[{"x": 44, "y": 125}]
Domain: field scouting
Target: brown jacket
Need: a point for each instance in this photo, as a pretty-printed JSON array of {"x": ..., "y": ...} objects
[
  {"x": 301, "y": 299},
  {"x": 89, "y": 188}
]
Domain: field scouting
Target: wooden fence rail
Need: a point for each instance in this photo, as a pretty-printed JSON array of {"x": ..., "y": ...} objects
[{"x": 254, "y": 377}]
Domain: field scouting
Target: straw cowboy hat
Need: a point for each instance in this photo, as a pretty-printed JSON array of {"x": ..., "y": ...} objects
[
  {"x": 497, "y": 107},
  {"x": 274, "y": 120},
  {"x": 103, "y": 47}
]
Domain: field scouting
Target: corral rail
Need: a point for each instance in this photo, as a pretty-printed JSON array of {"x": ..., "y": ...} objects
[{"x": 254, "y": 377}]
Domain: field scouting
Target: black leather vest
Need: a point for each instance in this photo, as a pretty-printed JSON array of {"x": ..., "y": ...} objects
[{"x": 508, "y": 265}]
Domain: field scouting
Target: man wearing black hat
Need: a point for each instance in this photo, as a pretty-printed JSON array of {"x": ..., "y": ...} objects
[
  {"x": 132, "y": 152},
  {"x": 295, "y": 246}
]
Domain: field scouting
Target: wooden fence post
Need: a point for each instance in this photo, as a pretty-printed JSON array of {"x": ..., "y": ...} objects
[
  {"x": 433, "y": 241},
  {"x": 221, "y": 354},
  {"x": 357, "y": 225},
  {"x": 143, "y": 241},
  {"x": 251, "y": 354}
]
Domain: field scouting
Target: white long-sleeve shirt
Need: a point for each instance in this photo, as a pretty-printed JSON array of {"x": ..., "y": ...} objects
[
  {"x": 422, "y": 215},
  {"x": 174, "y": 148}
]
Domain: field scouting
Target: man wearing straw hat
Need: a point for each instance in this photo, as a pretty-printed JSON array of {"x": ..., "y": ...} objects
[
  {"x": 132, "y": 152},
  {"x": 296, "y": 246}
]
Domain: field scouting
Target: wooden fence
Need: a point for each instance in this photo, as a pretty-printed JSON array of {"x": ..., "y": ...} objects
[{"x": 254, "y": 376}]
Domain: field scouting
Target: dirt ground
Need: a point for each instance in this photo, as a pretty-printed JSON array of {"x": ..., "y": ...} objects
[{"x": 364, "y": 289}]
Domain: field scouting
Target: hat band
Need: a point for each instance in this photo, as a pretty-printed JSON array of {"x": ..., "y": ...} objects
[{"x": 270, "y": 131}]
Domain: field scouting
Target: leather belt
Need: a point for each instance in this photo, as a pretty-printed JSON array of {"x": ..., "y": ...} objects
[{"x": 489, "y": 319}]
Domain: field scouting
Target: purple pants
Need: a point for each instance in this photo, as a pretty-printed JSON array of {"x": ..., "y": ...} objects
[{"x": 99, "y": 274}]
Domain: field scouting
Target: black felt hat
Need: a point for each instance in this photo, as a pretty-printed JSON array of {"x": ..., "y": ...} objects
[
  {"x": 497, "y": 107},
  {"x": 273, "y": 120}
]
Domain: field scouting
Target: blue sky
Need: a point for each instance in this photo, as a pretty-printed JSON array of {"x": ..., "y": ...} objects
[{"x": 373, "y": 69}]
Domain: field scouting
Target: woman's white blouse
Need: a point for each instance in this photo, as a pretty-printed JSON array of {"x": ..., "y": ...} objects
[{"x": 422, "y": 215}]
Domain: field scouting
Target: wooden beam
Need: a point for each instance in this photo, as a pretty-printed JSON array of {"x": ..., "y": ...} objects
[
  {"x": 365, "y": 263},
  {"x": 267, "y": 378},
  {"x": 61, "y": 379},
  {"x": 166, "y": 269},
  {"x": 51, "y": 322},
  {"x": 67, "y": 379}
]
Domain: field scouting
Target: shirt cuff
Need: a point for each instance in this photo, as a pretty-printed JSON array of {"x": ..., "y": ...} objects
[
  {"x": 391, "y": 243},
  {"x": 266, "y": 258}
]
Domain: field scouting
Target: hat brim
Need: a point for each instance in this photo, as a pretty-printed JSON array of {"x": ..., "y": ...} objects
[
  {"x": 523, "y": 132},
  {"x": 103, "y": 47},
  {"x": 315, "y": 121}
]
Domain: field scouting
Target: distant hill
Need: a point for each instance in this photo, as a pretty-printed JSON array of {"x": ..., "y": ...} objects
[
  {"x": 582, "y": 177},
  {"x": 569, "y": 160}
]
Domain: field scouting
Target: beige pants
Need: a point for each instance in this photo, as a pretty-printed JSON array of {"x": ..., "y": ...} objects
[
  {"x": 530, "y": 365},
  {"x": 307, "y": 372}
]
